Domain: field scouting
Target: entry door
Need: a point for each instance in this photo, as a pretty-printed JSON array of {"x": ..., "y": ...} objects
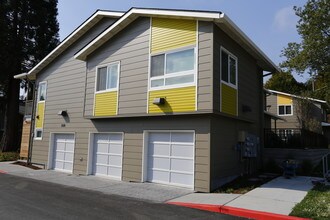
[
  {"x": 63, "y": 152},
  {"x": 171, "y": 158},
  {"x": 108, "y": 154}
]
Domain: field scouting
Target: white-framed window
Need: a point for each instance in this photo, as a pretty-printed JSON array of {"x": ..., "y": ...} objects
[
  {"x": 107, "y": 77},
  {"x": 228, "y": 68},
  {"x": 38, "y": 133},
  {"x": 173, "y": 69},
  {"x": 284, "y": 110},
  {"x": 42, "y": 91}
]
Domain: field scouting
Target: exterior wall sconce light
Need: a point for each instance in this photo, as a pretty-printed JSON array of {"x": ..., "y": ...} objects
[
  {"x": 159, "y": 101},
  {"x": 62, "y": 113},
  {"x": 246, "y": 108}
]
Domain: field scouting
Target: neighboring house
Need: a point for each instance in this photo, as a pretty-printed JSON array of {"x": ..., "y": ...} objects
[
  {"x": 285, "y": 109},
  {"x": 285, "y": 106},
  {"x": 164, "y": 96}
]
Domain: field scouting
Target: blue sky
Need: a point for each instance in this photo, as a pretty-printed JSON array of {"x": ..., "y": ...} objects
[{"x": 269, "y": 23}]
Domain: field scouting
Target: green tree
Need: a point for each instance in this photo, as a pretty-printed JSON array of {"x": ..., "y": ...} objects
[
  {"x": 312, "y": 54},
  {"x": 29, "y": 31},
  {"x": 285, "y": 82}
]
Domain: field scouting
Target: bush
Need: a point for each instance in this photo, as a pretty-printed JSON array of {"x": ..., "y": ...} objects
[{"x": 9, "y": 156}]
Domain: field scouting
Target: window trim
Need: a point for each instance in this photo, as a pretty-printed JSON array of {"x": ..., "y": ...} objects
[
  {"x": 278, "y": 109},
  {"x": 97, "y": 77},
  {"x": 38, "y": 97},
  {"x": 35, "y": 133},
  {"x": 230, "y": 55},
  {"x": 176, "y": 74}
]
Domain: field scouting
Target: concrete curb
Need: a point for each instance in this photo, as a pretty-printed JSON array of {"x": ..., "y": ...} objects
[{"x": 237, "y": 211}]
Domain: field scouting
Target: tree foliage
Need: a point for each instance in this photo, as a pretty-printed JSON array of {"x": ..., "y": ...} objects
[
  {"x": 28, "y": 32},
  {"x": 285, "y": 82},
  {"x": 312, "y": 54}
]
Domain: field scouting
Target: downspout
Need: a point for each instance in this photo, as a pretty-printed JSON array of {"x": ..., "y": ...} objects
[{"x": 32, "y": 122}]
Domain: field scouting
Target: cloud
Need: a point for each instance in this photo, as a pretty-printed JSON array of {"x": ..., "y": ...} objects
[{"x": 285, "y": 19}]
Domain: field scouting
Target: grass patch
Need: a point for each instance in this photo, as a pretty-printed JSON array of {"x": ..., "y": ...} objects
[
  {"x": 9, "y": 156},
  {"x": 315, "y": 205},
  {"x": 243, "y": 184}
]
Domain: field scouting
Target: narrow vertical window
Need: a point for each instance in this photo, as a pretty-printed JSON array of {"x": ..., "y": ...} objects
[
  {"x": 42, "y": 92},
  {"x": 228, "y": 68}
]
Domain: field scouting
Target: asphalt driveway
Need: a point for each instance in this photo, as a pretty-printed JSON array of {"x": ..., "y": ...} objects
[{"x": 23, "y": 198}]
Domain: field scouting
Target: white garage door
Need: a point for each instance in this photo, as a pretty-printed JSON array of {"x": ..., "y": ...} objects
[
  {"x": 63, "y": 152},
  {"x": 108, "y": 151},
  {"x": 171, "y": 158}
]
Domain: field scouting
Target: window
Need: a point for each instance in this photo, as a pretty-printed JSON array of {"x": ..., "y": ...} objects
[
  {"x": 284, "y": 110},
  {"x": 38, "y": 134},
  {"x": 42, "y": 91},
  {"x": 228, "y": 68},
  {"x": 173, "y": 68},
  {"x": 107, "y": 77}
]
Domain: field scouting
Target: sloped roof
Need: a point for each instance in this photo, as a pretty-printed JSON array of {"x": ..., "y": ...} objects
[
  {"x": 295, "y": 96},
  {"x": 219, "y": 18},
  {"x": 69, "y": 40}
]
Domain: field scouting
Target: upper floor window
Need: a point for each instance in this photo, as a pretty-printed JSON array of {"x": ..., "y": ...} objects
[
  {"x": 285, "y": 110},
  {"x": 42, "y": 91},
  {"x": 173, "y": 68},
  {"x": 228, "y": 68},
  {"x": 107, "y": 77}
]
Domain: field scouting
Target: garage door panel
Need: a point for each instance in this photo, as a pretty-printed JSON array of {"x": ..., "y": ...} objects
[
  {"x": 159, "y": 137},
  {"x": 60, "y": 146},
  {"x": 182, "y": 179},
  {"x": 69, "y": 147},
  {"x": 116, "y": 149},
  {"x": 158, "y": 176},
  {"x": 101, "y": 159},
  {"x": 114, "y": 171},
  {"x": 182, "y": 137},
  {"x": 114, "y": 160},
  {"x": 159, "y": 149},
  {"x": 102, "y": 138},
  {"x": 68, "y": 157},
  {"x": 182, "y": 165},
  {"x": 99, "y": 169},
  {"x": 68, "y": 166},
  {"x": 59, "y": 155},
  {"x": 115, "y": 137},
  {"x": 102, "y": 147},
  {"x": 59, "y": 165},
  {"x": 182, "y": 150},
  {"x": 159, "y": 163}
]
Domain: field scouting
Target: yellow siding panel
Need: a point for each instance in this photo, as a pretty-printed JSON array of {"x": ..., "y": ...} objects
[
  {"x": 40, "y": 114},
  {"x": 177, "y": 100},
  {"x": 284, "y": 100},
  {"x": 106, "y": 104},
  {"x": 168, "y": 34},
  {"x": 229, "y": 100}
]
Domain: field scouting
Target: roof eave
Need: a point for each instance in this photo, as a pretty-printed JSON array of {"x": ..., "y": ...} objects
[
  {"x": 75, "y": 35},
  {"x": 136, "y": 12},
  {"x": 263, "y": 60}
]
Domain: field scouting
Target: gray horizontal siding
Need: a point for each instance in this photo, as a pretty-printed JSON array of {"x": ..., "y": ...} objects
[
  {"x": 65, "y": 78},
  {"x": 131, "y": 48},
  {"x": 205, "y": 69}
]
